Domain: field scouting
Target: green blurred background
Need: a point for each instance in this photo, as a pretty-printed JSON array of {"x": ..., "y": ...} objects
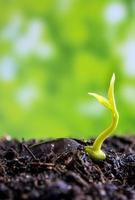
[{"x": 52, "y": 53}]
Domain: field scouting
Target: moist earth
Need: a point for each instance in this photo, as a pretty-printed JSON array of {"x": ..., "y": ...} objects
[{"x": 61, "y": 170}]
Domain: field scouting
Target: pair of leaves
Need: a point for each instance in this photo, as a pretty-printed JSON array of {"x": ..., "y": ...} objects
[{"x": 110, "y": 102}]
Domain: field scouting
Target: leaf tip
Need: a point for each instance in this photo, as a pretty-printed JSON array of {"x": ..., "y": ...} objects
[
  {"x": 113, "y": 78},
  {"x": 90, "y": 93}
]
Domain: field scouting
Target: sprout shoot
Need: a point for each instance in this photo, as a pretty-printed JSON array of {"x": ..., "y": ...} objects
[{"x": 95, "y": 151}]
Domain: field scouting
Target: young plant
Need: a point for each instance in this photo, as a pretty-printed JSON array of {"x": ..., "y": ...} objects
[{"x": 95, "y": 151}]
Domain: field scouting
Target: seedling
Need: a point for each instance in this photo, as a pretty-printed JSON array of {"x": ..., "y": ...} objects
[{"x": 95, "y": 151}]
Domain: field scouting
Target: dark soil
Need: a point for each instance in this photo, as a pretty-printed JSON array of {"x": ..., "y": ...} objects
[{"x": 60, "y": 169}]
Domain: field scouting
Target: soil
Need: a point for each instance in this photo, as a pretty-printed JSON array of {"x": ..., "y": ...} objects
[{"x": 61, "y": 170}]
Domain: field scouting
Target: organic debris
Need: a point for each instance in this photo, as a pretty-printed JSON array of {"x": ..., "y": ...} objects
[{"x": 60, "y": 169}]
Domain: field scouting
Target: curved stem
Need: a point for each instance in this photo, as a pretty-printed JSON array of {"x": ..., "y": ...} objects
[{"x": 107, "y": 132}]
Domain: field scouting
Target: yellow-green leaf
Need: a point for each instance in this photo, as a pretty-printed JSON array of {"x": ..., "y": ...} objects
[
  {"x": 111, "y": 91},
  {"x": 101, "y": 99}
]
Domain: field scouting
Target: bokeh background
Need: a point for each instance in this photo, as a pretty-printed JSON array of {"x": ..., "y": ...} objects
[{"x": 52, "y": 53}]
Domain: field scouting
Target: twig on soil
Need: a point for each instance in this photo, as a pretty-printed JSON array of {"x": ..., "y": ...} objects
[{"x": 29, "y": 151}]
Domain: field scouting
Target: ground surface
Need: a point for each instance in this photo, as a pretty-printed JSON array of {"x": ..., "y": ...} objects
[{"x": 61, "y": 170}]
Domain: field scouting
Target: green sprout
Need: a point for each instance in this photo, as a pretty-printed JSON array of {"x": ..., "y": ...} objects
[{"x": 95, "y": 151}]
